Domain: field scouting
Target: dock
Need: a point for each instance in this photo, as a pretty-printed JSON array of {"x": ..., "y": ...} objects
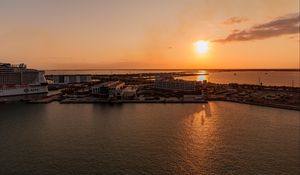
[
  {"x": 97, "y": 100},
  {"x": 45, "y": 100}
]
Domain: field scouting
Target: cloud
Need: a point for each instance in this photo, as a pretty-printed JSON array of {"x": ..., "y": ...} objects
[
  {"x": 235, "y": 20},
  {"x": 284, "y": 25}
]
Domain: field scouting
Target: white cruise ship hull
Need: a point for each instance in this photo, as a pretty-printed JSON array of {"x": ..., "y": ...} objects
[{"x": 24, "y": 90}]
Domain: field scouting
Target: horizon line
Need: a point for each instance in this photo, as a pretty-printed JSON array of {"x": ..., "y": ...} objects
[{"x": 216, "y": 69}]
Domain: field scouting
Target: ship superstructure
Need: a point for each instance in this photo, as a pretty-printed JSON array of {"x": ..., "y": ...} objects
[{"x": 18, "y": 80}]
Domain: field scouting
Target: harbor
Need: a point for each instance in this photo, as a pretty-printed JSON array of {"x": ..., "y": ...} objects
[
  {"x": 31, "y": 86},
  {"x": 277, "y": 97},
  {"x": 166, "y": 88}
]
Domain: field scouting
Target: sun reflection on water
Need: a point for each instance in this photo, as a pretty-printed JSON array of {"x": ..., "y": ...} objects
[
  {"x": 202, "y": 75},
  {"x": 201, "y": 139}
]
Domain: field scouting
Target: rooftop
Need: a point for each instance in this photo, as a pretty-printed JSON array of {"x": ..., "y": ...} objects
[{"x": 109, "y": 84}]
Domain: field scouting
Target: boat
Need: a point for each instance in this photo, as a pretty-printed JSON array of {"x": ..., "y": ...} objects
[{"x": 18, "y": 80}]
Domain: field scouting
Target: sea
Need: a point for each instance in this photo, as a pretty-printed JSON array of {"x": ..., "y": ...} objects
[
  {"x": 289, "y": 78},
  {"x": 217, "y": 138}
]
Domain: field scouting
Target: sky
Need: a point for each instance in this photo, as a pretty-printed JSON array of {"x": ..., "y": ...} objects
[{"x": 150, "y": 34}]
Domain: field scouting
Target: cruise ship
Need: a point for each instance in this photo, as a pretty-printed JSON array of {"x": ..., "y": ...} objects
[{"x": 17, "y": 80}]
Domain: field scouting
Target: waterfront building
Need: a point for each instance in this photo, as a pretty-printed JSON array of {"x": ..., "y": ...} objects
[
  {"x": 108, "y": 89},
  {"x": 177, "y": 85},
  {"x": 129, "y": 92}
]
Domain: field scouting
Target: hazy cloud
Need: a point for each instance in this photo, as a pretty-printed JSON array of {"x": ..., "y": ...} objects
[
  {"x": 235, "y": 20},
  {"x": 284, "y": 25}
]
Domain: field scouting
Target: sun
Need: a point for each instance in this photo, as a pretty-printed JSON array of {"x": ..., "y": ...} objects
[{"x": 201, "y": 47}]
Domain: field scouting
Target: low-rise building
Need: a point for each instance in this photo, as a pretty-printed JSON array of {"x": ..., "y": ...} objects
[
  {"x": 69, "y": 79},
  {"x": 177, "y": 85},
  {"x": 129, "y": 92},
  {"x": 108, "y": 89}
]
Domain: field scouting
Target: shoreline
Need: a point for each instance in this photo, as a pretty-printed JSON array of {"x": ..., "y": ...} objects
[
  {"x": 97, "y": 101},
  {"x": 278, "y": 106},
  {"x": 294, "y": 108}
]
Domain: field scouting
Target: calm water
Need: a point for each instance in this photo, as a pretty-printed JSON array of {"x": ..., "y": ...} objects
[
  {"x": 216, "y": 138},
  {"x": 271, "y": 78}
]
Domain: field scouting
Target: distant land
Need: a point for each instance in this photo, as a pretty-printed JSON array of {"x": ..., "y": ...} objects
[{"x": 210, "y": 70}]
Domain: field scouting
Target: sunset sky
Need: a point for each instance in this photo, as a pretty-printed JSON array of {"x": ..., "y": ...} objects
[{"x": 150, "y": 34}]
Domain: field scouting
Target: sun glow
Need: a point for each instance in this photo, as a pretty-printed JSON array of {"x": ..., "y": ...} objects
[{"x": 201, "y": 47}]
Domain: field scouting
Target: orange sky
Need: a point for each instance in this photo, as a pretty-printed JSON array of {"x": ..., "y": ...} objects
[{"x": 154, "y": 34}]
